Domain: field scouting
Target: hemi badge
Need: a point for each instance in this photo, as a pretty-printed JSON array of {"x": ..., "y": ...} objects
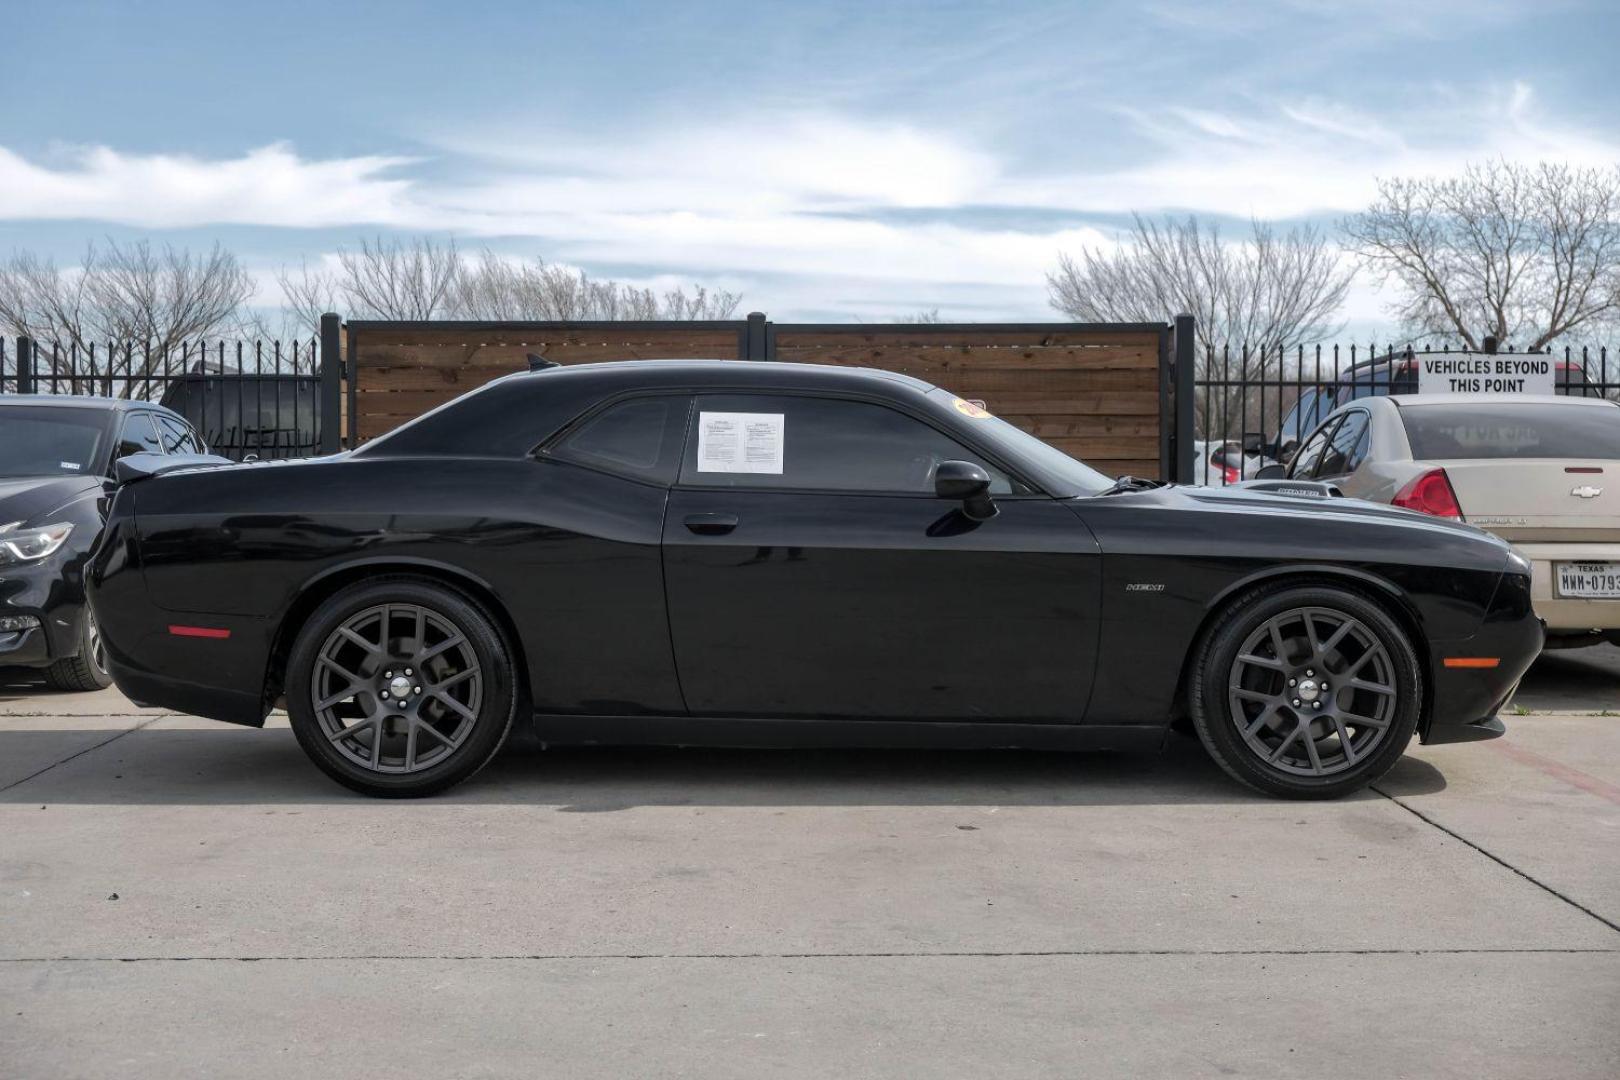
[
  {"x": 199, "y": 631},
  {"x": 1472, "y": 661}
]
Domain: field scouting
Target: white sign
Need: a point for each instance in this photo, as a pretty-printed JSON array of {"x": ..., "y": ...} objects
[
  {"x": 741, "y": 442},
  {"x": 1486, "y": 373}
]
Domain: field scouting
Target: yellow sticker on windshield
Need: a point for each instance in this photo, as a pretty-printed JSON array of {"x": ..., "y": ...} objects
[{"x": 974, "y": 409}]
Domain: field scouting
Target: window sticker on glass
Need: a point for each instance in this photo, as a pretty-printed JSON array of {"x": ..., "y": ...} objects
[
  {"x": 974, "y": 409},
  {"x": 739, "y": 442}
]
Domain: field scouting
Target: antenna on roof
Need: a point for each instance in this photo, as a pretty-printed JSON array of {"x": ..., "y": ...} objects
[{"x": 540, "y": 363}]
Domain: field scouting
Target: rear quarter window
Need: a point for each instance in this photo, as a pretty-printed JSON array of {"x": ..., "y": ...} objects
[{"x": 1475, "y": 430}]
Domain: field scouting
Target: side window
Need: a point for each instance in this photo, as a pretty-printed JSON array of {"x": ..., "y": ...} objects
[
  {"x": 139, "y": 436},
  {"x": 1359, "y": 454},
  {"x": 1341, "y": 449},
  {"x": 1301, "y": 418},
  {"x": 817, "y": 444},
  {"x": 1305, "y": 462},
  {"x": 177, "y": 438},
  {"x": 640, "y": 438}
]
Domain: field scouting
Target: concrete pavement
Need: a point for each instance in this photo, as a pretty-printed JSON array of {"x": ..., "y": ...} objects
[{"x": 716, "y": 914}]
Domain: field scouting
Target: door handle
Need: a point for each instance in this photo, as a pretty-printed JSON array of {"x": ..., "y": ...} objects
[{"x": 711, "y": 524}]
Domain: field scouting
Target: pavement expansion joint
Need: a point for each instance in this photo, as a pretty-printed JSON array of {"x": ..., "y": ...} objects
[
  {"x": 149, "y": 721},
  {"x": 1538, "y": 883},
  {"x": 882, "y": 955}
]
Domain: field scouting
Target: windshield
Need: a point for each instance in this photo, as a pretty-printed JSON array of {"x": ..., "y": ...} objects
[
  {"x": 1512, "y": 430},
  {"x": 1022, "y": 445},
  {"x": 52, "y": 441}
]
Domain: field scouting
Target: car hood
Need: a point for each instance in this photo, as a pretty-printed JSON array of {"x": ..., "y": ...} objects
[
  {"x": 30, "y": 497},
  {"x": 1302, "y": 504}
]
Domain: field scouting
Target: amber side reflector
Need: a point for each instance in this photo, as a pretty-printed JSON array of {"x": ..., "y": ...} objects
[
  {"x": 1472, "y": 661},
  {"x": 199, "y": 631}
]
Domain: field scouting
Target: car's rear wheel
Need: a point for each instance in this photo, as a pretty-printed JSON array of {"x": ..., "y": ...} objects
[
  {"x": 1307, "y": 692},
  {"x": 87, "y": 670},
  {"x": 400, "y": 688}
]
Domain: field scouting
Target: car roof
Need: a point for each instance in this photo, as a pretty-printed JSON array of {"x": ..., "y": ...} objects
[
  {"x": 731, "y": 372},
  {"x": 1418, "y": 401},
  {"x": 82, "y": 401}
]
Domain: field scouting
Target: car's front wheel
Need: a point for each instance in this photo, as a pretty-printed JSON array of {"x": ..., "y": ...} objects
[
  {"x": 400, "y": 687},
  {"x": 87, "y": 670},
  {"x": 1307, "y": 692}
]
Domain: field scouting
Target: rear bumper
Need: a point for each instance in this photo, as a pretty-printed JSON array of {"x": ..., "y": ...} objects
[
  {"x": 157, "y": 657},
  {"x": 1569, "y": 615}
]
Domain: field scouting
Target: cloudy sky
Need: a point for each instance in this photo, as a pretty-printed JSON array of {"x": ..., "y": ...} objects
[{"x": 829, "y": 160}]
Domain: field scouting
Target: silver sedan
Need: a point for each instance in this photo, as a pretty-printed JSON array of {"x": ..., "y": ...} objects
[{"x": 1541, "y": 472}]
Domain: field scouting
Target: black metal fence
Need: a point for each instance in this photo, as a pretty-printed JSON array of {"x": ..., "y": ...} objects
[
  {"x": 247, "y": 399},
  {"x": 1253, "y": 407}
]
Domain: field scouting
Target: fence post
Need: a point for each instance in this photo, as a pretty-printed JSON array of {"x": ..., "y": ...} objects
[
  {"x": 331, "y": 382},
  {"x": 755, "y": 349},
  {"x": 1186, "y": 353},
  {"x": 25, "y": 364}
]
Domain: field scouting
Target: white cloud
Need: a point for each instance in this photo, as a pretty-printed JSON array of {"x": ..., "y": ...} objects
[
  {"x": 833, "y": 212},
  {"x": 267, "y": 186}
]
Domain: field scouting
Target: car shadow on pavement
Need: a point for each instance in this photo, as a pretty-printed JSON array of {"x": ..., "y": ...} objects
[
  {"x": 1575, "y": 679},
  {"x": 164, "y": 766}
]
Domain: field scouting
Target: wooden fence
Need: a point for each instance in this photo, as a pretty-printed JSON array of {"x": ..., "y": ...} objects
[{"x": 1099, "y": 392}]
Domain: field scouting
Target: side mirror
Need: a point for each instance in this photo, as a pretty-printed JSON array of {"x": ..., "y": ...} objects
[
  {"x": 1271, "y": 472},
  {"x": 1253, "y": 442},
  {"x": 967, "y": 483}
]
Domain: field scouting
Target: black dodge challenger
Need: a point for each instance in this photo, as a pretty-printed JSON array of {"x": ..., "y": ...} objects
[{"x": 696, "y": 552}]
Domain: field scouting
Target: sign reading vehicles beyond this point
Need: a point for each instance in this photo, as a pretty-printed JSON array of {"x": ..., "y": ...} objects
[{"x": 1486, "y": 373}]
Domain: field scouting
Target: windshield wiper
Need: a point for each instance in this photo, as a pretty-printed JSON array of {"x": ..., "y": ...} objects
[{"x": 1130, "y": 483}]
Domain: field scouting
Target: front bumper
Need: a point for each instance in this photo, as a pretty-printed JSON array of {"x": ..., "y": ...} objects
[
  {"x": 43, "y": 591},
  {"x": 24, "y": 648},
  {"x": 1466, "y": 694},
  {"x": 1573, "y": 614}
]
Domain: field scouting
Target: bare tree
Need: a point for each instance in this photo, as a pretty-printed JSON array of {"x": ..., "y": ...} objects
[
  {"x": 147, "y": 301},
  {"x": 1268, "y": 291},
  {"x": 701, "y": 304},
  {"x": 928, "y": 315},
  {"x": 1522, "y": 253},
  {"x": 396, "y": 279},
  {"x": 305, "y": 296},
  {"x": 45, "y": 303},
  {"x": 496, "y": 288}
]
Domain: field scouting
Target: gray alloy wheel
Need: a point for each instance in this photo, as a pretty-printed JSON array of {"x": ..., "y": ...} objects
[
  {"x": 1305, "y": 691},
  {"x": 1312, "y": 691},
  {"x": 400, "y": 687},
  {"x": 397, "y": 688}
]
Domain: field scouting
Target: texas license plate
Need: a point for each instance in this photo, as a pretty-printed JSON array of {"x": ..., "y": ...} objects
[{"x": 1596, "y": 580}]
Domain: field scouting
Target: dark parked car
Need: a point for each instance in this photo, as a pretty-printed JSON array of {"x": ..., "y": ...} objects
[
  {"x": 1391, "y": 374},
  {"x": 704, "y": 552},
  {"x": 56, "y": 478}
]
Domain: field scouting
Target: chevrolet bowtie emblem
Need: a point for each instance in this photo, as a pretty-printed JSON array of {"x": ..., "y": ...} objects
[{"x": 1586, "y": 491}]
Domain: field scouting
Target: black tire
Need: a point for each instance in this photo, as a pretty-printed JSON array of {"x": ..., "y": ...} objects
[
  {"x": 479, "y": 729},
  {"x": 1246, "y": 715},
  {"x": 87, "y": 670}
]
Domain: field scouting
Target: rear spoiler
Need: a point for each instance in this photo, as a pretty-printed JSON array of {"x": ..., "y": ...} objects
[
  {"x": 144, "y": 466},
  {"x": 1299, "y": 489}
]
